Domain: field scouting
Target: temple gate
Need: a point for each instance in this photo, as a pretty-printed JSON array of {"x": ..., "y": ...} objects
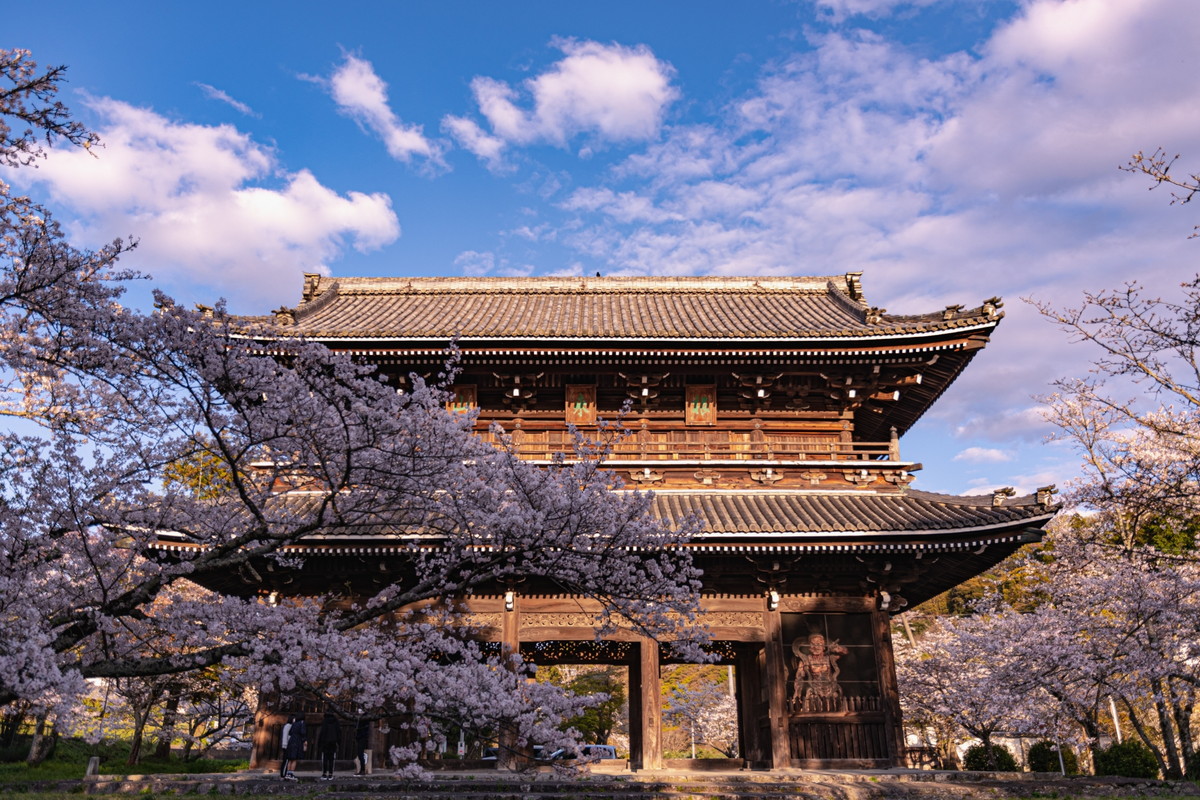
[{"x": 771, "y": 408}]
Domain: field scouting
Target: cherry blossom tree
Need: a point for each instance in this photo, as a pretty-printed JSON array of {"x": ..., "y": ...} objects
[
  {"x": 970, "y": 673},
  {"x": 124, "y": 402},
  {"x": 1157, "y": 166},
  {"x": 707, "y": 712},
  {"x": 1139, "y": 491}
]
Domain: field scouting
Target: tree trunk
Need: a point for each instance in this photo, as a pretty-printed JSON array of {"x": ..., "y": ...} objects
[
  {"x": 1163, "y": 705},
  {"x": 1183, "y": 705},
  {"x": 1144, "y": 735},
  {"x": 987, "y": 749},
  {"x": 140, "y": 718},
  {"x": 162, "y": 750},
  {"x": 43, "y": 742}
]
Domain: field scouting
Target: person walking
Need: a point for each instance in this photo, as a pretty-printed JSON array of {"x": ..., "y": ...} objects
[
  {"x": 283, "y": 746},
  {"x": 362, "y": 741},
  {"x": 327, "y": 743},
  {"x": 295, "y": 745}
]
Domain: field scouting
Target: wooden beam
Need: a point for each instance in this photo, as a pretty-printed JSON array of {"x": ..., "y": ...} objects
[
  {"x": 889, "y": 687},
  {"x": 510, "y": 643},
  {"x": 648, "y": 752},
  {"x": 776, "y": 679},
  {"x": 749, "y": 692}
]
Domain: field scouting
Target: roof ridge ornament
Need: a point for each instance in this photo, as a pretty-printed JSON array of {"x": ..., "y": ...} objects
[
  {"x": 998, "y": 495},
  {"x": 1045, "y": 494},
  {"x": 992, "y": 306},
  {"x": 312, "y": 285},
  {"x": 854, "y": 285}
]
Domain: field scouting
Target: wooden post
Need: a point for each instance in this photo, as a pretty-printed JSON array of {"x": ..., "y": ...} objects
[
  {"x": 633, "y": 664},
  {"x": 776, "y": 679},
  {"x": 645, "y": 707},
  {"x": 889, "y": 687},
  {"x": 510, "y": 644},
  {"x": 264, "y": 746},
  {"x": 749, "y": 690}
]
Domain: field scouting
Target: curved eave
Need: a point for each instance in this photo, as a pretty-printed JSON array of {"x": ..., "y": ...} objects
[
  {"x": 828, "y": 542},
  {"x": 802, "y": 341}
]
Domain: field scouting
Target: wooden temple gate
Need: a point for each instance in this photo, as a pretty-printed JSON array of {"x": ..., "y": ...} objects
[
  {"x": 772, "y": 409},
  {"x": 857, "y": 729}
]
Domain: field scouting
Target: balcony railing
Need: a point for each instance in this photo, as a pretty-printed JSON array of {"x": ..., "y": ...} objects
[{"x": 708, "y": 446}]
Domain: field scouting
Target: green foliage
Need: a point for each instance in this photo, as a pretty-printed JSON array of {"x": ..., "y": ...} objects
[
  {"x": 1169, "y": 534},
  {"x": 1043, "y": 757},
  {"x": 70, "y": 758},
  {"x": 595, "y": 724},
  {"x": 1129, "y": 759},
  {"x": 1014, "y": 580},
  {"x": 202, "y": 473},
  {"x": 1002, "y": 760}
]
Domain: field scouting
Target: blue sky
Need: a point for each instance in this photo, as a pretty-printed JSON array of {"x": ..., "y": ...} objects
[{"x": 951, "y": 150}]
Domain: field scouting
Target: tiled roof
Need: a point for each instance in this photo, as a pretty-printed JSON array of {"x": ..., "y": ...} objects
[
  {"x": 602, "y": 309},
  {"x": 762, "y": 514},
  {"x": 780, "y": 517}
]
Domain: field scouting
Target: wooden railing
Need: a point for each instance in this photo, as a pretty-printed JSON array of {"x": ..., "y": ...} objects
[{"x": 708, "y": 445}]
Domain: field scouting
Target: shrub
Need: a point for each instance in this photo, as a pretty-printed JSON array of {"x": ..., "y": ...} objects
[
  {"x": 1192, "y": 767},
  {"x": 977, "y": 759},
  {"x": 1130, "y": 759},
  {"x": 1043, "y": 757}
]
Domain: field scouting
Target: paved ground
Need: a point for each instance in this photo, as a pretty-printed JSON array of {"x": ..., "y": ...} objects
[{"x": 547, "y": 784}]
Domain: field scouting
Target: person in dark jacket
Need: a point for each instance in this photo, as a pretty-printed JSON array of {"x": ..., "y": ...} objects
[
  {"x": 295, "y": 745},
  {"x": 362, "y": 741},
  {"x": 327, "y": 743}
]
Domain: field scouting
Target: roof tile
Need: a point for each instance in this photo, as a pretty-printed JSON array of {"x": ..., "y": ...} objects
[{"x": 598, "y": 308}]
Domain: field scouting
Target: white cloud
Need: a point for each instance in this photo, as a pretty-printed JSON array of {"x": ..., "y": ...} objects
[
  {"x": 474, "y": 139},
  {"x": 946, "y": 179},
  {"x": 1024, "y": 483},
  {"x": 983, "y": 455},
  {"x": 475, "y": 264},
  {"x": 194, "y": 197},
  {"x": 608, "y": 93},
  {"x": 362, "y": 95},
  {"x": 217, "y": 94},
  {"x": 839, "y": 10},
  {"x": 1067, "y": 91}
]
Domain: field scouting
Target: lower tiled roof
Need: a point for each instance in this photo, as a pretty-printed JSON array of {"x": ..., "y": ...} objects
[
  {"x": 807, "y": 515},
  {"x": 771, "y": 518}
]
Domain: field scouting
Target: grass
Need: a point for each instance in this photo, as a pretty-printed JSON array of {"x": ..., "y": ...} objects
[{"x": 70, "y": 757}]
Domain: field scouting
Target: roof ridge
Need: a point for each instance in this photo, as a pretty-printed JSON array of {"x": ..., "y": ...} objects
[{"x": 577, "y": 284}]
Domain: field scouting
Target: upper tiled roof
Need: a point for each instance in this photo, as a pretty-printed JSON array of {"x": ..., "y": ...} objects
[{"x": 698, "y": 308}]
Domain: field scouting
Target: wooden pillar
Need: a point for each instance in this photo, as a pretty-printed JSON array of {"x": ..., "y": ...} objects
[
  {"x": 510, "y": 644},
  {"x": 749, "y": 693},
  {"x": 266, "y": 723},
  {"x": 645, "y": 707},
  {"x": 776, "y": 680},
  {"x": 889, "y": 687}
]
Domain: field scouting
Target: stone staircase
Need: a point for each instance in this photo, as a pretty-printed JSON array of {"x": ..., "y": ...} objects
[{"x": 807, "y": 785}]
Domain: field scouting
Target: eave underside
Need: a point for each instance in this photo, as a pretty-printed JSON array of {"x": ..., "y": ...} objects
[{"x": 912, "y": 546}]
